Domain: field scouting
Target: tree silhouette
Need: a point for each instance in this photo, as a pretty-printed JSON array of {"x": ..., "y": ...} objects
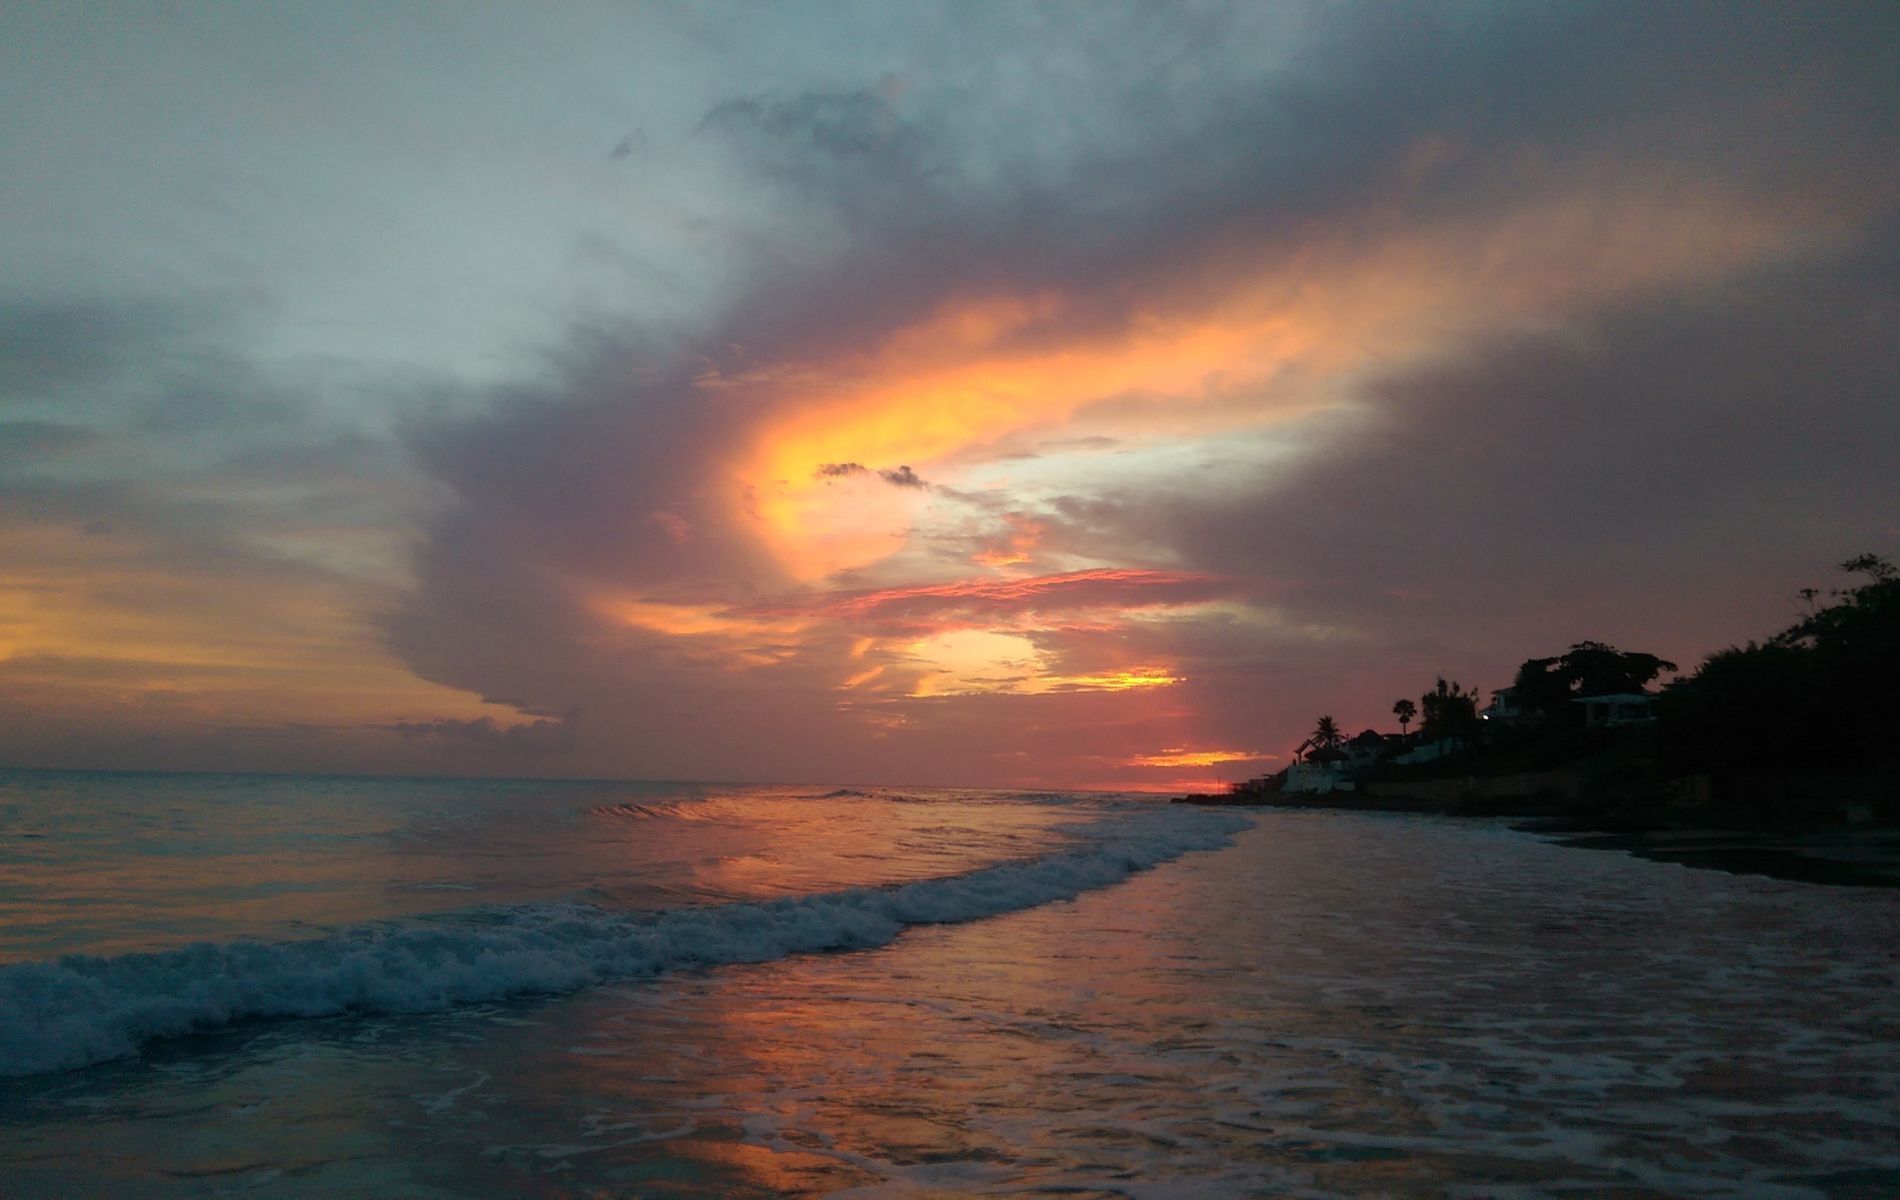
[
  {"x": 1449, "y": 711},
  {"x": 1404, "y": 710},
  {"x": 1326, "y": 735},
  {"x": 1547, "y": 685},
  {"x": 1817, "y": 699},
  {"x": 1323, "y": 743}
]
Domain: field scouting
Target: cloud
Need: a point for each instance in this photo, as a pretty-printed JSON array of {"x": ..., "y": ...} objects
[
  {"x": 1315, "y": 270},
  {"x": 987, "y": 603},
  {"x": 533, "y": 737},
  {"x": 902, "y": 477},
  {"x": 1417, "y": 335},
  {"x": 28, "y": 443},
  {"x": 190, "y": 547},
  {"x": 861, "y": 124},
  {"x": 49, "y": 346},
  {"x": 1712, "y": 450}
]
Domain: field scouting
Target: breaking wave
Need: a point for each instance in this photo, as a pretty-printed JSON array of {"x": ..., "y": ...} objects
[{"x": 83, "y": 1009}]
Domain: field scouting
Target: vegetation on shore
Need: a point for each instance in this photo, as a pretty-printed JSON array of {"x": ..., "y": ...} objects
[
  {"x": 1805, "y": 722},
  {"x": 1800, "y": 730}
]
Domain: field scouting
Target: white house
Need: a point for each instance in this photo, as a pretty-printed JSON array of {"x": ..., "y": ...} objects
[
  {"x": 1504, "y": 708},
  {"x": 1318, "y": 778},
  {"x": 1619, "y": 708}
]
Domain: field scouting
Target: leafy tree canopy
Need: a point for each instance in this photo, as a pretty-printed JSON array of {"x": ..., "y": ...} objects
[
  {"x": 1820, "y": 696},
  {"x": 1586, "y": 669},
  {"x": 1449, "y": 711}
]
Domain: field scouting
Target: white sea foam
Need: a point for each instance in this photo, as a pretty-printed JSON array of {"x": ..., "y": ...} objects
[{"x": 83, "y": 1009}]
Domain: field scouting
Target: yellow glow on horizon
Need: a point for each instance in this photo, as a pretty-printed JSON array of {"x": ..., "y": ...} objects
[
  {"x": 92, "y": 623},
  {"x": 1114, "y": 681},
  {"x": 1178, "y": 757},
  {"x": 967, "y": 661}
]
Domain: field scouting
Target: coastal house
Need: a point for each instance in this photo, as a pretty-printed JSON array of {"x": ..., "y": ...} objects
[
  {"x": 1617, "y": 708},
  {"x": 1424, "y": 752},
  {"x": 1316, "y": 778},
  {"x": 1368, "y": 748},
  {"x": 1504, "y": 708}
]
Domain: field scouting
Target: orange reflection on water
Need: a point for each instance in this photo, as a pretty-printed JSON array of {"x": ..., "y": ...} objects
[{"x": 931, "y": 1055}]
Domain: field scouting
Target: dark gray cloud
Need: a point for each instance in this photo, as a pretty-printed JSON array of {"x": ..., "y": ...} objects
[
  {"x": 48, "y": 347},
  {"x": 149, "y": 418},
  {"x": 861, "y": 124},
  {"x": 903, "y": 477},
  {"x": 30, "y": 442},
  {"x": 1191, "y": 159},
  {"x": 1667, "y": 474}
]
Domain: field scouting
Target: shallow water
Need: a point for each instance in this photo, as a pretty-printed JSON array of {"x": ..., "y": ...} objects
[{"x": 1330, "y": 1005}]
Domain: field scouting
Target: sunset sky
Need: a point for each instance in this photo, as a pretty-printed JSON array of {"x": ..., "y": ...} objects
[{"x": 1040, "y": 395}]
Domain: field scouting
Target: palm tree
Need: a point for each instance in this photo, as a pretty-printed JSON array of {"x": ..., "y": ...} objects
[
  {"x": 1404, "y": 710},
  {"x": 1326, "y": 735}
]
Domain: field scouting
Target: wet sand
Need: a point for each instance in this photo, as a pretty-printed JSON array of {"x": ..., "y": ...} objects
[{"x": 1848, "y": 858}]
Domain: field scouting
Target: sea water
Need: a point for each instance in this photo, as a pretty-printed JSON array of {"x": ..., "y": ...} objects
[{"x": 267, "y": 986}]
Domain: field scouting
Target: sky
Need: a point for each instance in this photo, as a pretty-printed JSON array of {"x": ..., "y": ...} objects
[{"x": 1027, "y": 395}]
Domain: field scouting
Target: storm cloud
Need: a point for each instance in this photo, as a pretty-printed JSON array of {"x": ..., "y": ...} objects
[{"x": 986, "y": 394}]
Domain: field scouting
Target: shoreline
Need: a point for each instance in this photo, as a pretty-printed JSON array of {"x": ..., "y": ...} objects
[{"x": 1831, "y": 855}]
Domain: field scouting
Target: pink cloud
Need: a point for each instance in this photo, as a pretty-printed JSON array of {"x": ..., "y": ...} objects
[{"x": 987, "y": 603}]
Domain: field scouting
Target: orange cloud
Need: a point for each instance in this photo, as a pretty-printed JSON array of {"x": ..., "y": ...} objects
[
  {"x": 920, "y": 401},
  {"x": 953, "y": 638},
  {"x": 101, "y": 623},
  {"x": 1025, "y": 535},
  {"x": 1273, "y": 329},
  {"x": 961, "y": 662}
]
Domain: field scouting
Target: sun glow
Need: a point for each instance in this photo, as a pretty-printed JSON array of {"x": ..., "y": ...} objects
[
  {"x": 967, "y": 661},
  {"x": 1114, "y": 681}
]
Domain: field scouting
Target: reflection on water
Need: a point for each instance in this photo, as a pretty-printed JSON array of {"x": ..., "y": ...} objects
[{"x": 1336, "y": 1006}]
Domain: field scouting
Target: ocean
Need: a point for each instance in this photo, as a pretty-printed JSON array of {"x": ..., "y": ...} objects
[{"x": 303, "y": 987}]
